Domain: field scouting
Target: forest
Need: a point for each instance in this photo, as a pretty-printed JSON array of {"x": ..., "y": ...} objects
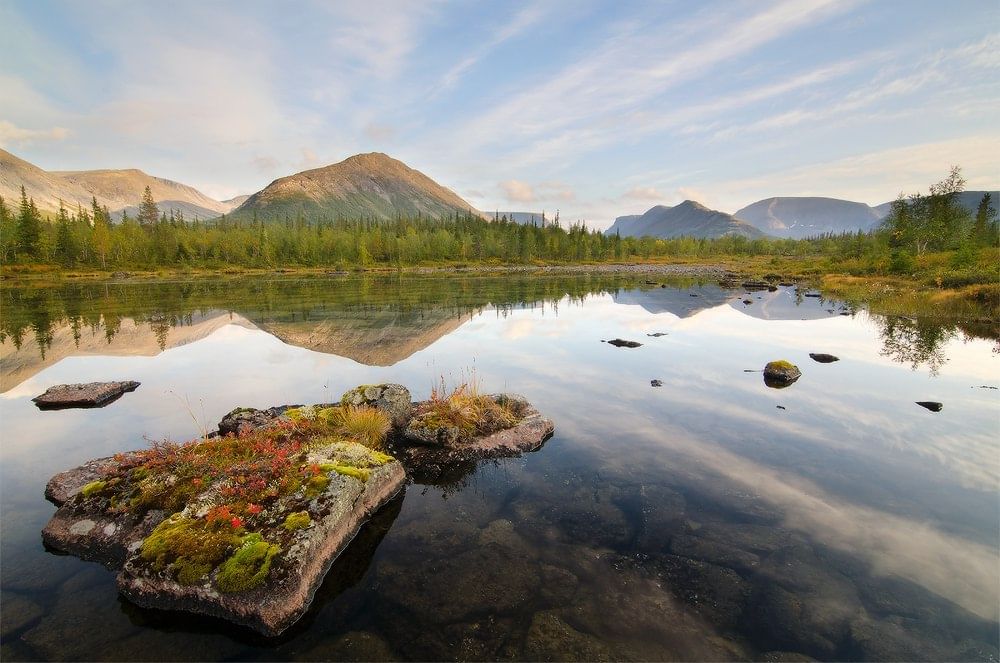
[{"x": 921, "y": 231}]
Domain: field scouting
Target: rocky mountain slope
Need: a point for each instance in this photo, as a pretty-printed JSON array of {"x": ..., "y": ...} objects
[
  {"x": 689, "y": 219},
  {"x": 117, "y": 189},
  {"x": 371, "y": 185},
  {"x": 799, "y": 217}
]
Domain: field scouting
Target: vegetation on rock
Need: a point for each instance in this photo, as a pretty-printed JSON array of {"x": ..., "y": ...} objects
[{"x": 470, "y": 413}]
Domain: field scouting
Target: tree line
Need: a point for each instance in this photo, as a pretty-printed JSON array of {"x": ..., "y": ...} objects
[{"x": 87, "y": 238}]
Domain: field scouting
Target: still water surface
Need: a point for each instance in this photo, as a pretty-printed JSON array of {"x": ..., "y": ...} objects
[{"x": 709, "y": 518}]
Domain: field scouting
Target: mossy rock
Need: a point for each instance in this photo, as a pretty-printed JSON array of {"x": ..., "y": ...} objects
[
  {"x": 393, "y": 399},
  {"x": 781, "y": 373}
]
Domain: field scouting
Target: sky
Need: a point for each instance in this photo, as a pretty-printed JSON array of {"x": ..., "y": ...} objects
[{"x": 596, "y": 109}]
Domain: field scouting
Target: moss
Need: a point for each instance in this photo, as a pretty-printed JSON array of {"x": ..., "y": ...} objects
[
  {"x": 348, "y": 397},
  {"x": 359, "y": 473},
  {"x": 297, "y": 520},
  {"x": 316, "y": 485},
  {"x": 248, "y": 567},
  {"x": 93, "y": 488},
  {"x": 781, "y": 365},
  {"x": 379, "y": 458},
  {"x": 330, "y": 416},
  {"x": 190, "y": 547}
]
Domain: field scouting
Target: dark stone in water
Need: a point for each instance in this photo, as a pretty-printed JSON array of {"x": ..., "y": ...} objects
[
  {"x": 657, "y": 334},
  {"x": 622, "y": 343},
  {"x": 656, "y": 383},
  {"x": 812, "y": 294},
  {"x": 747, "y": 302},
  {"x": 781, "y": 407},
  {"x": 780, "y": 374},
  {"x": 933, "y": 406},
  {"x": 750, "y": 286},
  {"x": 91, "y": 394},
  {"x": 692, "y": 295},
  {"x": 823, "y": 358}
]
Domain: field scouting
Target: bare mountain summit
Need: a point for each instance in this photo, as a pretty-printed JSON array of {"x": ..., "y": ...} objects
[
  {"x": 689, "y": 219},
  {"x": 371, "y": 185},
  {"x": 800, "y": 217},
  {"x": 116, "y": 189}
]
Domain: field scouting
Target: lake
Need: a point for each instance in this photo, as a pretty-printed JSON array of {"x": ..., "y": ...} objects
[{"x": 712, "y": 517}]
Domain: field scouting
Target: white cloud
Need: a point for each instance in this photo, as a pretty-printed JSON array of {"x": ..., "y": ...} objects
[
  {"x": 11, "y": 134},
  {"x": 643, "y": 193},
  {"x": 517, "y": 191}
]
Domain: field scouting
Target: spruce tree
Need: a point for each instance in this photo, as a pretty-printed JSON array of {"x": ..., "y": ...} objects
[
  {"x": 29, "y": 228},
  {"x": 148, "y": 213}
]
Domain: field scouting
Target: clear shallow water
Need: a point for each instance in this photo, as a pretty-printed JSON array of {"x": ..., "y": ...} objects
[{"x": 695, "y": 520}]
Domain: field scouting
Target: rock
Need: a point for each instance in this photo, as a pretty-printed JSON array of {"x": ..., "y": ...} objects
[
  {"x": 781, "y": 407},
  {"x": 692, "y": 294},
  {"x": 356, "y": 483},
  {"x": 658, "y": 334},
  {"x": 780, "y": 374},
  {"x": 752, "y": 286},
  {"x": 656, "y": 383},
  {"x": 622, "y": 343},
  {"x": 353, "y": 646},
  {"x": 550, "y": 638},
  {"x": 812, "y": 294},
  {"x": 933, "y": 406},
  {"x": 393, "y": 399},
  {"x": 18, "y": 612},
  {"x": 823, "y": 358},
  {"x": 244, "y": 420},
  {"x": 91, "y": 394},
  {"x": 747, "y": 302}
]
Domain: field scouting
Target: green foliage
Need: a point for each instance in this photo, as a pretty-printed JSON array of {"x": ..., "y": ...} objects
[
  {"x": 297, "y": 520},
  {"x": 189, "y": 548},
  {"x": 249, "y": 565},
  {"x": 934, "y": 222},
  {"x": 359, "y": 473},
  {"x": 93, "y": 488}
]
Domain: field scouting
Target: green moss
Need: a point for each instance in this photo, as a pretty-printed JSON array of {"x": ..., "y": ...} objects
[
  {"x": 93, "y": 488},
  {"x": 379, "y": 458},
  {"x": 297, "y": 520},
  {"x": 189, "y": 547},
  {"x": 330, "y": 416},
  {"x": 316, "y": 485},
  {"x": 781, "y": 365},
  {"x": 248, "y": 566},
  {"x": 359, "y": 473}
]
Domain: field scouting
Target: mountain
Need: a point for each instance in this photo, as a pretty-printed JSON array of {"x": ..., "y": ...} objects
[
  {"x": 799, "y": 217},
  {"x": 236, "y": 201},
  {"x": 967, "y": 199},
  {"x": 371, "y": 185},
  {"x": 689, "y": 219},
  {"x": 117, "y": 189}
]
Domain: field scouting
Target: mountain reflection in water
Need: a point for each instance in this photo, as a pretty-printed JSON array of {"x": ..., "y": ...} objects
[{"x": 690, "y": 521}]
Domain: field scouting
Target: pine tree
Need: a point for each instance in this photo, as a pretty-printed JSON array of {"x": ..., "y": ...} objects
[
  {"x": 29, "y": 228},
  {"x": 148, "y": 213},
  {"x": 986, "y": 217}
]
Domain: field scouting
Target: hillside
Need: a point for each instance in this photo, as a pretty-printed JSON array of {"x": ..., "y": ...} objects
[
  {"x": 800, "y": 217},
  {"x": 371, "y": 185},
  {"x": 689, "y": 219},
  {"x": 116, "y": 189}
]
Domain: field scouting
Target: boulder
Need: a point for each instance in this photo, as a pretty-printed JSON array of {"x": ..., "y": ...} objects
[
  {"x": 823, "y": 358},
  {"x": 244, "y": 420},
  {"x": 779, "y": 374},
  {"x": 393, "y": 399},
  {"x": 268, "y": 561},
  {"x": 91, "y": 394},
  {"x": 656, "y": 383},
  {"x": 933, "y": 406}
]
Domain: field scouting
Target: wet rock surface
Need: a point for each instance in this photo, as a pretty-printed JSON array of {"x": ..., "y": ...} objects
[
  {"x": 779, "y": 374},
  {"x": 933, "y": 406},
  {"x": 90, "y": 394},
  {"x": 622, "y": 343},
  {"x": 823, "y": 358},
  {"x": 393, "y": 399}
]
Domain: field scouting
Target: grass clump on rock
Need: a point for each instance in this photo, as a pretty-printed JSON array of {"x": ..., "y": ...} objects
[{"x": 462, "y": 414}]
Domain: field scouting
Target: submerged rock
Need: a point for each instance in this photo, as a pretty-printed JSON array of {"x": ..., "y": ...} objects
[
  {"x": 657, "y": 334},
  {"x": 91, "y": 394},
  {"x": 823, "y": 358},
  {"x": 779, "y": 374},
  {"x": 622, "y": 343},
  {"x": 656, "y": 383},
  {"x": 933, "y": 406}
]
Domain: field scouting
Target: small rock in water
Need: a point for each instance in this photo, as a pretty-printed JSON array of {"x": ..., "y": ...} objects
[
  {"x": 823, "y": 358},
  {"x": 812, "y": 294},
  {"x": 747, "y": 302},
  {"x": 780, "y": 374},
  {"x": 91, "y": 394},
  {"x": 750, "y": 370},
  {"x": 692, "y": 295},
  {"x": 656, "y": 383},
  {"x": 986, "y": 386},
  {"x": 657, "y": 334},
  {"x": 622, "y": 343},
  {"x": 933, "y": 406},
  {"x": 781, "y": 407}
]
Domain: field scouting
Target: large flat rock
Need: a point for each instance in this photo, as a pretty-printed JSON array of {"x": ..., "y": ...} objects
[{"x": 90, "y": 394}]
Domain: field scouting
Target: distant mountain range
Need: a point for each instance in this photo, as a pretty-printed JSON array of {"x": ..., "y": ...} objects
[
  {"x": 117, "y": 189},
  {"x": 689, "y": 219},
  {"x": 807, "y": 217},
  {"x": 372, "y": 185}
]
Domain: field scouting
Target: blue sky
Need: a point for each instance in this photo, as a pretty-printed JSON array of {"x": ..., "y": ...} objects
[{"x": 594, "y": 108}]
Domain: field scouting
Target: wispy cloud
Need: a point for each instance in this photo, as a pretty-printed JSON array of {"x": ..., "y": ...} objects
[{"x": 12, "y": 135}]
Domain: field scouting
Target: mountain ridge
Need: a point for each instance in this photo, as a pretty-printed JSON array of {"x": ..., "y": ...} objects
[{"x": 688, "y": 219}]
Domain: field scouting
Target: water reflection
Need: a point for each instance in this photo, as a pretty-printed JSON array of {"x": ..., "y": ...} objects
[{"x": 691, "y": 521}]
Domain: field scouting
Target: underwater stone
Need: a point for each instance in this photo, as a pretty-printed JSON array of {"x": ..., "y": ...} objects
[
  {"x": 823, "y": 358},
  {"x": 622, "y": 343}
]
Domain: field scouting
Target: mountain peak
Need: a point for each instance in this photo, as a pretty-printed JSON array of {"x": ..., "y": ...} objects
[{"x": 689, "y": 219}]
